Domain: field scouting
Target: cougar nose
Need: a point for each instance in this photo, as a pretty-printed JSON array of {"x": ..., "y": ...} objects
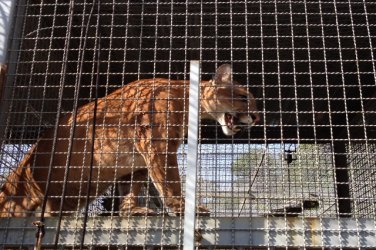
[{"x": 255, "y": 117}]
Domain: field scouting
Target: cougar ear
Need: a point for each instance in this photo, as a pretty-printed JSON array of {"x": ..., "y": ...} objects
[{"x": 223, "y": 74}]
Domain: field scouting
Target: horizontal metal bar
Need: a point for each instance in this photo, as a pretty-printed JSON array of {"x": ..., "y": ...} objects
[{"x": 234, "y": 232}]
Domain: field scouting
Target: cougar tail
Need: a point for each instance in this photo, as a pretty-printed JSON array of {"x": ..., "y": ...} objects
[{"x": 20, "y": 193}]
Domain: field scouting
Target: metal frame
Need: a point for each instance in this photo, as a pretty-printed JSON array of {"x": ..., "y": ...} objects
[
  {"x": 6, "y": 17},
  {"x": 224, "y": 232},
  {"x": 191, "y": 181},
  {"x": 277, "y": 56}
]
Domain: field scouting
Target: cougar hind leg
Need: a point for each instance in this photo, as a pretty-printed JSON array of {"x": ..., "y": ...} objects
[{"x": 129, "y": 188}]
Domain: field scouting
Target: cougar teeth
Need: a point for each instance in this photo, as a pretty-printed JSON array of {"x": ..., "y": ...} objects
[
  {"x": 228, "y": 120},
  {"x": 231, "y": 120}
]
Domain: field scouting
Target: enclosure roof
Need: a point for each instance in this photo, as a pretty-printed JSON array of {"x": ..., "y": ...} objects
[{"x": 310, "y": 64}]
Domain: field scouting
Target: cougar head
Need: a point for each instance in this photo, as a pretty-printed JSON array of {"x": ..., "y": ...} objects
[{"x": 229, "y": 103}]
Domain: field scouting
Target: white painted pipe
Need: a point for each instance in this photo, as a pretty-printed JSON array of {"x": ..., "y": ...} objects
[{"x": 6, "y": 17}]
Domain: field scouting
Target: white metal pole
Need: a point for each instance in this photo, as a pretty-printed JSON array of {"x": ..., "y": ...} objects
[
  {"x": 6, "y": 17},
  {"x": 192, "y": 156}
]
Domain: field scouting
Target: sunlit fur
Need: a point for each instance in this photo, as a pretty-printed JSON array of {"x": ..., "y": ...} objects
[{"x": 139, "y": 126}]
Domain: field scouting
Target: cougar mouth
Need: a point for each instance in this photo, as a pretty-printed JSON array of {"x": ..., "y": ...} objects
[{"x": 232, "y": 121}]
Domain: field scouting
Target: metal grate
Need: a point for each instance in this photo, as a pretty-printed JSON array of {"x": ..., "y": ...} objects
[{"x": 302, "y": 177}]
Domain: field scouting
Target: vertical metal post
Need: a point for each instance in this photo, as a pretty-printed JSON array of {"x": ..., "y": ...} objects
[
  {"x": 11, "y": 20},
  {"x": 7, "y": 13},
  {"x": 192, "y": 157}
]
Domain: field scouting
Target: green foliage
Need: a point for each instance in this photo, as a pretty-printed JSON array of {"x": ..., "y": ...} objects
[
  {"x": 248, "y": 163},
  {"x": 262, "y": 179},
  {"x": 309, "y": 164}
]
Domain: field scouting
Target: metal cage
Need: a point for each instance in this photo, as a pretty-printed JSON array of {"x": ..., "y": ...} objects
[{"x": 303, "y": 177}]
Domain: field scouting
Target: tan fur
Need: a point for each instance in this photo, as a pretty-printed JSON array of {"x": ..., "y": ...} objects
[{"x": 139, "y": 126}]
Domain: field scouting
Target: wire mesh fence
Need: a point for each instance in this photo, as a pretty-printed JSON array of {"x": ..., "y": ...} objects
[{"x": 299, "y": 173}]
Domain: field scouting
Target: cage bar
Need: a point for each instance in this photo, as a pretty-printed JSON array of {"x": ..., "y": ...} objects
[
  {"x": 192, "y": 157},
  {"x": 7, "y": 9},
  {"x": 302, "y": 177}
]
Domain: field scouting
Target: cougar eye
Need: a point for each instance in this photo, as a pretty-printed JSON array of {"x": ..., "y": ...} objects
[{"x": 243, "y": 98}]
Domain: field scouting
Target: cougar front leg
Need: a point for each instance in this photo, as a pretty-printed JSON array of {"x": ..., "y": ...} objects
[
  {"x": 129, "y": 188},
  {"x": 166, "y": 178},
  {"x": 161, "y": 160},
  {"x": 163, "y": 171}
]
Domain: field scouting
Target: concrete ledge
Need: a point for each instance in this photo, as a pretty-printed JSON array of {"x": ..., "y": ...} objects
[{"x": 224, "y": 232}]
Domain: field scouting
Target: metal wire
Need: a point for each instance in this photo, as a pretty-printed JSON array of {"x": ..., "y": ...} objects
[
  {"x": 92, "y": 149},
  {"x": 309, "y": 64}
]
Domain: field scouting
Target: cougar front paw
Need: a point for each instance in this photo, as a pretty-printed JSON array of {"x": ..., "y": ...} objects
[
  {"x": 177, "y": 206},
  {"x": 128, "y": 207},
  {"x": 203, "y": 211},
  {"x": 137, "y": 211}
]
